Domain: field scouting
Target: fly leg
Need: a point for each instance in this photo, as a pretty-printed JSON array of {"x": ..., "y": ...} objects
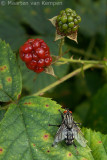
[
  {"x": 53, "y": 125},
  {"x": 77, "y": 123},
  {"x": 61, "y": 113},
  {"x": 54, "y": 144}
]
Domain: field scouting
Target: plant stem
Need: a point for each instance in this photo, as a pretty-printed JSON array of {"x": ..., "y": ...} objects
[
  {"x": 60, "y": 46},
  {"x": 63, "y": 79},
  {"x": 66, "y": 60}
]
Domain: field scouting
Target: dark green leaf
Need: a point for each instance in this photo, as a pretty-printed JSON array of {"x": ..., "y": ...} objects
[
  {"x": 12, "y": 33},
  {"x": 92, "y": 24},
  {"x": 82, "y": 111},
  {"x": 97, "y": 114}
]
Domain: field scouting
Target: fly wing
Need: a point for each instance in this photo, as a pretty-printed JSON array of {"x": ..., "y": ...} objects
[
  {"x": 61, "y": 134},
  {"x": 78, "y": 135}
]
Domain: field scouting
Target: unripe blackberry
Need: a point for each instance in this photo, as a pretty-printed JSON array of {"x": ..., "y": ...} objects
[{"x": 67, "y": 22}]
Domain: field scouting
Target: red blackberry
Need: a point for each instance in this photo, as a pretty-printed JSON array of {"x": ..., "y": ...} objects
[{"x": 35, "y": 53}]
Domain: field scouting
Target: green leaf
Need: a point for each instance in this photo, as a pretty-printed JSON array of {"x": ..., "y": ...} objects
[
  {"x": 82, "y": 111},
  {"x": 2, "y": 113},
  {"x": 97, "y": 114},
  {"x": 97, "y": 143},
  {"x": 10, "y": 77},
  {"x": 10, "y": 12},
  {"x": 11, "y": 29},
  {"x": 12, "y": 32},
  {"x": 97, "y": 24},
  {"x": 25, "y": 134}
]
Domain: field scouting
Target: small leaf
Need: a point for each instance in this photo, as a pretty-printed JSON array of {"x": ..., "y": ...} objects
[
  {"x": 49, "y": 70},
  {"x": 53, "y": 21},
  {"x": 10, "y": 77},
  {"x": 57, "y": 36},
  {"x": 73, "y": 37}
]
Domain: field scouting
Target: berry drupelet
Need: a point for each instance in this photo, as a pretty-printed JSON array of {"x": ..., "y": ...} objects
[{"x": 36, "y": 54}]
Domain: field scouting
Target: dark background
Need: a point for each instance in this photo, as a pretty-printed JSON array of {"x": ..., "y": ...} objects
[{"x": 85, "y": 95}]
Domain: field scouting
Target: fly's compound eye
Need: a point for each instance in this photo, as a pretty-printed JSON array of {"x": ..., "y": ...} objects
[
  {"x": 65, "y": 112},
  {"x": 70, "y": 112}
]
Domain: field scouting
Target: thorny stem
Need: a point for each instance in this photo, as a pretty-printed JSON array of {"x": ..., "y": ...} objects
[
  {"x": 64, "y": 79},
  {"x": 60, "y": 46},
  {"x": 63, "y": 60}
]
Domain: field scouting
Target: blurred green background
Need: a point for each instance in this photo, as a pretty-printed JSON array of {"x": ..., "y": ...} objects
[{"x": 85, "y": 95}]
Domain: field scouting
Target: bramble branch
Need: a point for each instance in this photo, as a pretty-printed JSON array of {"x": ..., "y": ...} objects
[
  {"x": 72, "y": 74},
  {"x": 63, "y": 60}
]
